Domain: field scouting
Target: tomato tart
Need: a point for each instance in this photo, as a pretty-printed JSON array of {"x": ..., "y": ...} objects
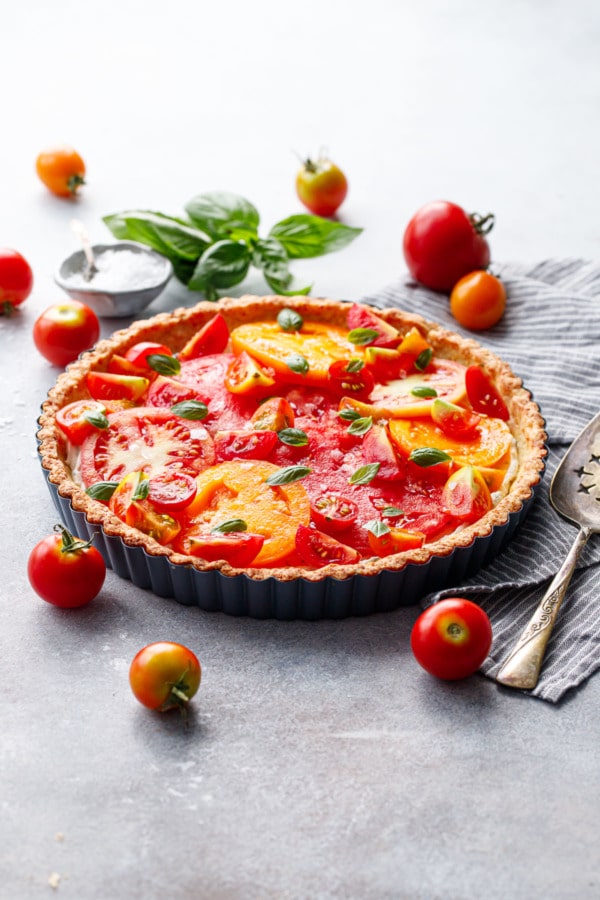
[{"x": 292, "y": 457}]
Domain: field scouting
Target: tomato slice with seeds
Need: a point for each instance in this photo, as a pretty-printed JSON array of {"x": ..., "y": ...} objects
[
  {"x": 333, "y": 512},
  {"x": 361, "y": 317},
  {"x": 239, "y": 549},
  {"x": 318, "y": 549},
  {"x": 244, "y": 444},
  {"x": 74, "y": 419},
  {"x": 350, "y": 378},
  {"x": 171, "y": 491},
  {"x": 483, "y": 396},
  {"x": 146, "y": 440}
]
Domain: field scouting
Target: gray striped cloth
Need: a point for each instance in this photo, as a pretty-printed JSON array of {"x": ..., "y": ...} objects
[{"x": 550, "y": 335}]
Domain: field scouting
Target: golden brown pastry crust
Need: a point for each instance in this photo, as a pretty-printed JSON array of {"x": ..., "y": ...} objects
[{"x": 177, "y": 327}]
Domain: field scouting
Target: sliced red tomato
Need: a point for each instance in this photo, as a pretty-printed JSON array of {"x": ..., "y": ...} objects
[
  {"x": 138, "y": 512},
  {"x": 171, "y": 491},
  {"x": 360, "y": 317},
  {"x": 108, "y": 386},
  {"x": 455, "y": 421},
  {"x": 333, "y": 512},
  {"x": 119, "y": 365},
  {"x": 466, "y": 495},
  {"x": 239, "y": 549},
  {"x": 483, "y": 396},
  {"x": 351, "y": 378},
  {"x": 146, "y": 440},
  {"x": 396, "y": 540},
  {"x": 273, "y": 415},
  {"x": 246, "y": 376},
  {"x": 244, "y": 444},
  {"x": 165, "y": 392},
  {"x": 378, "y": 448},
  {"x": 387, "y": 364},
  {"x": 212, "y": 338},
  {"x": 318, "y": 549},
  {"x": 81, "y": 418},
  {"x": 139, "y": 353}
]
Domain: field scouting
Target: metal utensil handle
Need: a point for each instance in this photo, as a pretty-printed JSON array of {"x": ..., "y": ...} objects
[{"x": 522, "y": 667}]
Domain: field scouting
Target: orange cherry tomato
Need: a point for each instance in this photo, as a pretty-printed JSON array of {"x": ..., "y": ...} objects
[
  {"x": 165, "y": 675},
  {"x": 478, "y": 301},
  {"x": 61, "y": 169}
]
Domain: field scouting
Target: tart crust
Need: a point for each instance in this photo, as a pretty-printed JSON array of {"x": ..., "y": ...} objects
[{"x": 177, "y": 327}]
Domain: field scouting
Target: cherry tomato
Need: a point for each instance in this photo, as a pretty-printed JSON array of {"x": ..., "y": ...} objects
[
  {"x": 442, "y": 243},
  {"x": 239, "y": 548},
  {"x": 119, "y": 365},
  {"x": 478, "y": 301},
  {"x": 333, "y": 512},
  {"x": 377, "y": 448},
  {"x": 65, "y": 330},
  {"x": 455, "y": 421},
  {"x": 165, "y": 675},
  {"x": 110, "y": 386},
  {"x": 244, "y": 444},
  {"x": 395, "y": 540},
  {"x": 351, "y": 378},
  {"x": 274, "y": 414},
  {"x": 16, "y": 280},
  {"x": 466, "y": 495},
  {"x": 245, "y": 375},
  {"x": 318, "y": 549},
  {"x": 61, "y": 169},
  {"x": 171, "y": 491},
  {"x": 81, "y": 418},
  {"x": 212, "y": 338},
  {"x": 139, "y": 353},
  {"x": 452, "y": 638},
  {"x": 65, "y": 571},
  {"x": 137, "y": 511},
  {"x": 483, "y": 396},
  {"x": 321, "y": 186}
]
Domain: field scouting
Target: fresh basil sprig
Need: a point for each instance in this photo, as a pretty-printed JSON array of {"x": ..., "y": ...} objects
[{"x": 214, "y": 245}]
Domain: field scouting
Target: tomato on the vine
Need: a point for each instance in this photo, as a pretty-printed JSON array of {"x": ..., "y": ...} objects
[
  {"x": 66, "y": 571},
  {"x": 442, "y": 243},
  {"x": 452, "y": 638},
  {"x": 16, "y": 280},
  {"x": 478, "y": 300},
  {"x": 61, "y": 169},
  {"x": 321, "y": 186},
  {"x": 65, "y": 330},
  {"x": 165, "y": 675}
]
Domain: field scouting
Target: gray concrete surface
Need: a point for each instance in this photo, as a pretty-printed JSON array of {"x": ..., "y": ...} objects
[{"x": 320, "y": 761}]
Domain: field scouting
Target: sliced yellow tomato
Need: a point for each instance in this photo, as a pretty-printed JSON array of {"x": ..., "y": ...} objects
[
  {"x": 138, "y": 512},
  {"x": 317, "y": 343},
  {"x": 491, "y": 443},
  {"x": 396, "y": 540},
  {"x": 406, "y": 398},
  {"x": 413, "y": 343},
  {"x": 237, "y": 490}
]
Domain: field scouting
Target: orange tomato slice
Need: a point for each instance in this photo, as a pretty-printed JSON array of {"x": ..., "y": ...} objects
[
  {"x": 492, "y": 442},
  {"x": 319, "y": 344},
  {"x": 237, "y": 490}
]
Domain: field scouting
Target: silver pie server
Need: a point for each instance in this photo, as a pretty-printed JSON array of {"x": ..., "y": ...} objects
[{"x": 575, "y": 495}]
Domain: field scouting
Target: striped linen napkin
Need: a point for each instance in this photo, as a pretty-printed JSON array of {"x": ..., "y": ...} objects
[{"x": 550, "y": 335}]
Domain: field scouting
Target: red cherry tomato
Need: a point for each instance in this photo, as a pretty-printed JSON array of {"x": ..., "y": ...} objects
[
  {"x": 16, "y": 280},
  {"x": 165, "y": 675},
  {"x": 81, "y": 418},
  {"x": 483, "y": 396},
  {"x": 244, "y": 444},
  {"x": 65, "y": 571},
  {"x": 318, "y": 549},
  {"x": 442, "y": 243},
  {"x": 169, "y": 491},
  {"x": 333, "y": 512},
  {"x": 321, "y": 186},
  {"x": 65, "y": 330},
  {"x": 139, "y": 353},
  {"x": 351, "y": 378},
  {"x": 212, "y": 338},
  {"x": 61, "y": 169},
  {"x": 455, "y": 421},
  {"x": 452, "y": 638},
  {"x": 239, "y": 548}
]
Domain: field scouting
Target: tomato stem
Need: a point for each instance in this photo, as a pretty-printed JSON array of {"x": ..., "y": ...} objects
[
  {"x": 482, "y": 224},
  {"x": 179, "y": 695},
  {"x": 7, "y": 308},
  {"x": 71, "y": 544}
]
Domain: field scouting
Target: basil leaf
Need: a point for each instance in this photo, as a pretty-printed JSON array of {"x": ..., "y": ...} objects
[
  {"x": 223, "y": 265},
  {"x": 98, "y": 420},
  {"x": 361, "y": 336},
  {"x": 428, "y": 456},
  {"x": 293, "y": 437},
  {"x": 297, "y": 363},
  {"x": 424, "y": 392},
  {"x": 377, "y": 527},
  {"x": 305, "y": 236},
  {"x": 365, "y": 474},
  {"x": 102, "y": 490},
  {"x": 391, "y": 512},
  {"x": 172, "y": 237},
  {"x": 289, "y": 320},
  {"x": 288, "y": 475},
  {"x": 349, "y": 415},
  {"x": 423, "y": 359},
  {"x": 163, "y": 364},
  {"x": 270, "y": 256},
  {"x": 361, "y": 426},
  {"x": 228, "y": 526},
  {"x": 224, "y": 215},
  {"x": 355, "y": 365},
  {"x": 190, "y": 409},
  {"x": 141, "y": 491}
]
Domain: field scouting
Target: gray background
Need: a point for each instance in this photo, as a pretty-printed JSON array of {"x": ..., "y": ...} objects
[{"x": 320, "y": 760}]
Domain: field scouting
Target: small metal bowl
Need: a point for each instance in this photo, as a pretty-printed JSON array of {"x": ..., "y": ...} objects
[{"x": 148, "y": 275}]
